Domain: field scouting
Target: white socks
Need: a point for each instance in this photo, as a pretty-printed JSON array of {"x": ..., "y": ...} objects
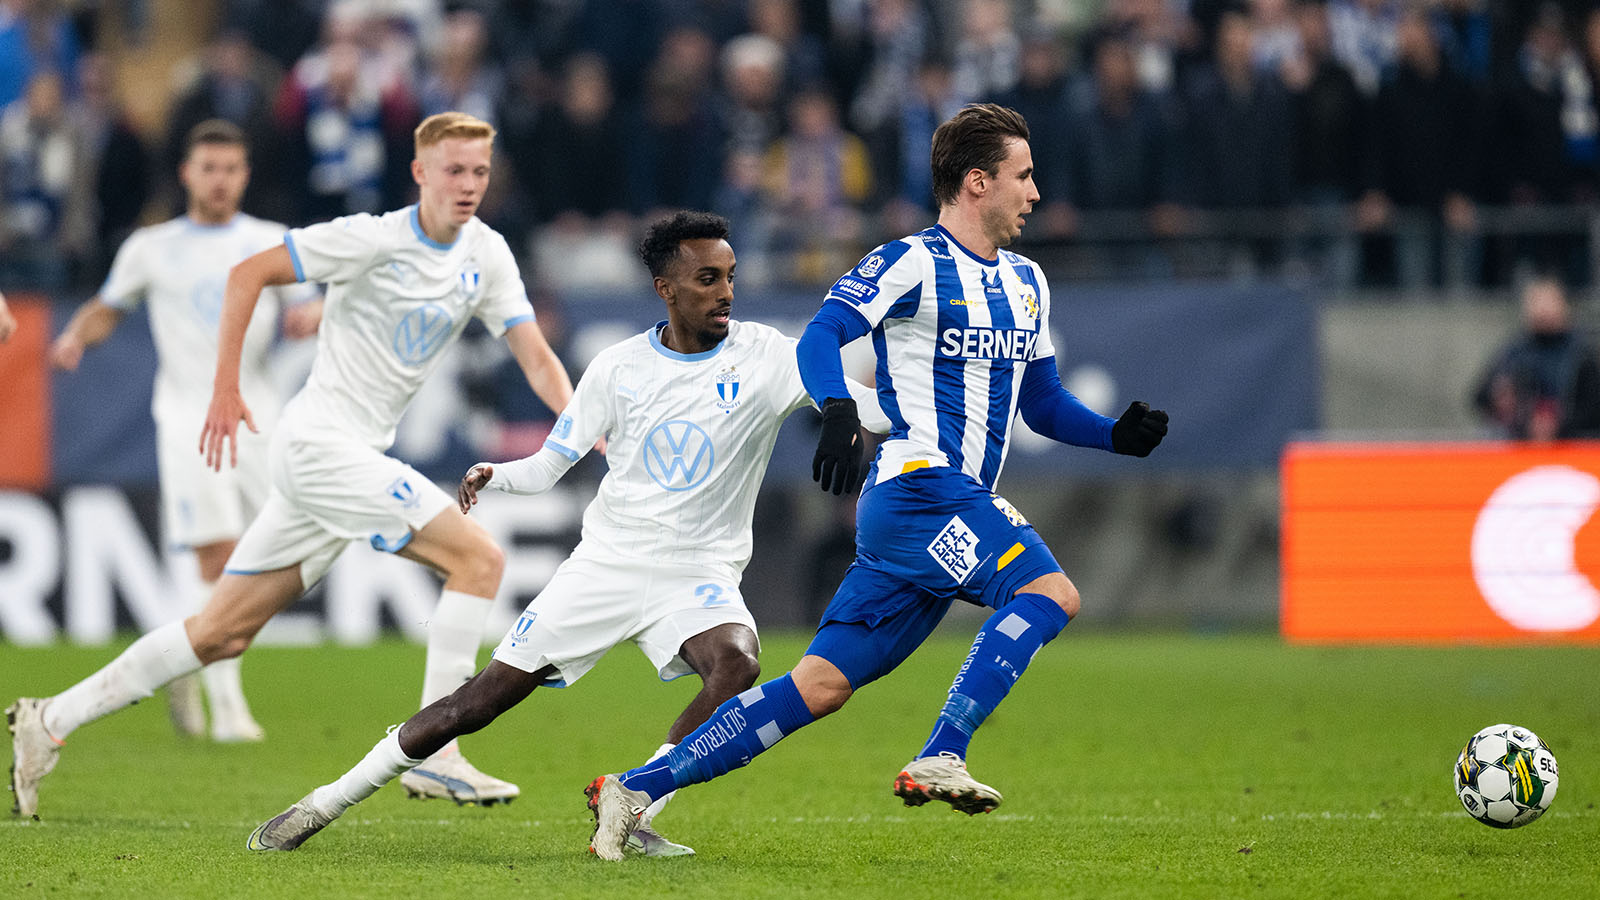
[
  {"x": 455, "y": 632},
  {"x": 384, "y": 762},
  {"x": 655, "y": 808},
  {"x": 152, "y": 661}
]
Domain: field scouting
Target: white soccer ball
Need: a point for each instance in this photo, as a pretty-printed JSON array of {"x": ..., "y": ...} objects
[{"x": 1506, "y": 777}]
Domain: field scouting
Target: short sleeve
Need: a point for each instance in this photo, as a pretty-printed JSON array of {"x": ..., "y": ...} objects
[
  {"x": 788, "y": 391},
  {"x": 127, "y": 282},
  {"x": 886, "y": 283},
  {"x": 590, "y": 413},
  {"x": 336, "y": 251},
  {"x": 505, "y": 298}
]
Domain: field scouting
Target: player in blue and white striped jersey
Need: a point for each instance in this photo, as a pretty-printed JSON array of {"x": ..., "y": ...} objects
[{"x": 960, "y": 329}]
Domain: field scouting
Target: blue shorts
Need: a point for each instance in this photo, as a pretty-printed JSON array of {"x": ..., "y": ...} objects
[{"x": 923, "y": 540}]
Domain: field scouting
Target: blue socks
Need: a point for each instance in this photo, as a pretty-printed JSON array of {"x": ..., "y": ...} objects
[
  {"x": 740, "y": 729},
  {"x": 1000, "y": 653}
]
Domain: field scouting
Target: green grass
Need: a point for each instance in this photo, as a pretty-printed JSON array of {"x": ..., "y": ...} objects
[{"x": 1133, "y": 766}]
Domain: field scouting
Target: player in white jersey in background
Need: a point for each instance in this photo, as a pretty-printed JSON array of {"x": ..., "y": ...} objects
[
  {"x": 691, "y": 409},
  {"x": 178, "y": 268},
  {"x": 401, "y": 287}
]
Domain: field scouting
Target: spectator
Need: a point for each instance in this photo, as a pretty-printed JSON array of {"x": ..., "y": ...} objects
[
  {"x": 1364, "y": 39},
  {"x": 34, "y": 38},
  {"x": 580, "y": 147},
  {"x": 988, "y": 53},
  {"x": 234, "y": 83},
  {"x": 674, "y": 148},
  {"x": 804, "y": 56},
  {"x": 752, "y": 74},
  {"x": 114, "y": 163},
  {"x": 1239, "y": 141},
  {"x": 1545, "y": 384},
  {"x": 1329, "y": 133},
  {"x": 1041, "y": 96},
  {"x": 1424, "y": 155},
  {"x": 40, "y": 195},
  {"x": 818, "y": 176},
  {"x": 624, "y": 35},
  {"x": 1157, "y": 32},
  {"x": 461, "y": 78},
  {"x": 1117, "y": 144},
  {"x": 899, "y": 36},
  {"x": 1466, "y": 37},
  {"x": 1546, "y": 122},
  {"x": 1277, "y": 33},
  {"x": 900, "y": 147},
  {"x": 347, "y": 133}
]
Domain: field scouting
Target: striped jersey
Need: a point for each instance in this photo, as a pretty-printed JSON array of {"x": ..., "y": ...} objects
[{"x": 953, "y": 334}]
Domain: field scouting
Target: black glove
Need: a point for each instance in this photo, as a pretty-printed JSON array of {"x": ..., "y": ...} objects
[
  {"x": 1139, "y": 430},
  {"x": 837, "y": 464}
]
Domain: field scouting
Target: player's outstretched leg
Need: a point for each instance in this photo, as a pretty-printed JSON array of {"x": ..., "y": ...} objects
[
  {"x": 736, "y": 733},
  {"x": 1000, "y": 653},
  {"x": 725, "y": 657},
  {"x": 471, "y": 707}
]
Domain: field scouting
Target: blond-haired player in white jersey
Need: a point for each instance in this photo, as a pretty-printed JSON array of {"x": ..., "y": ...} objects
[
  {"x": 401, "y": 287},
  {"x": 690, "y": 410},
  {"x": 178, "y": 269}
]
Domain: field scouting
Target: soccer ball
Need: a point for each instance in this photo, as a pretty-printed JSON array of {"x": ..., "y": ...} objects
[{"x": 1506, "y": 777}]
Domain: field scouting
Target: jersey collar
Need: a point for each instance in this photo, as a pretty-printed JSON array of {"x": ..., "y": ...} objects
[
  {"x": 669, "y": 353},
  {"x": 416, "y": 228},
  {"x": 957, "y": 244}
]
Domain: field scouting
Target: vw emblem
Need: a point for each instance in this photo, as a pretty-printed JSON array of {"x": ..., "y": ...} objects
[
  {"x": 678, "y": 455},
  {"x": 421, "y": 333}
]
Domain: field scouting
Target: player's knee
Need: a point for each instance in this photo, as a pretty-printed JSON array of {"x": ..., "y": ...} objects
[
  {"x": 1069, "y": 600},
  {"x": 734, "y": 669},
  {"x": 1059, "y": 588},
  {"x": 213, "y": 638},
  {"x": 483, "y": 565}
]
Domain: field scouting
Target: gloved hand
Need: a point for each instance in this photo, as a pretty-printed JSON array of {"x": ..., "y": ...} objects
[
  {"x": 1139, "y": 430},
  {"x": 837, "y": 465}
]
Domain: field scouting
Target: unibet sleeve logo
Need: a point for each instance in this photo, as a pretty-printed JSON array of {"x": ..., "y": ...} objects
[{"x": 678, "y": 455}]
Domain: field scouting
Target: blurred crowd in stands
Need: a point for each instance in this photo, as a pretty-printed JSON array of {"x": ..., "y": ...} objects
[{"x": 1409, "y": 143}]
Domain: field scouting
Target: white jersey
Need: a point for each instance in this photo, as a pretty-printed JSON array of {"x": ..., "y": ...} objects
[
  {"x": 954, "y": 334},
  {"x": 179, "y": 269},
  {"x": 395, "y": 299},
  {"x": 688, "y": 440}
]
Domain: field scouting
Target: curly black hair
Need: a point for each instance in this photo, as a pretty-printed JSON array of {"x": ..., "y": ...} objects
[{"x": 660, "y": 245}]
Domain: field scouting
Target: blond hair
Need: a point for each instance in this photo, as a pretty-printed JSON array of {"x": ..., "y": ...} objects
[{"x": 445, "y": 125}]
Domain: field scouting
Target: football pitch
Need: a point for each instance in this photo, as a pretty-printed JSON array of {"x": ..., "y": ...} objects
[{"x": 1133, "y": 765}]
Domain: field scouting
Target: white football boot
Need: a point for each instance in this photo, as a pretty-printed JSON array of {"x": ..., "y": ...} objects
[
  {"x": 447, "y": 775},
  {"x": 616, "y": 815},
  {"x": 33, "y": 753},
  {"x": 944, "y": 777},
  {"x": 645, "y": 840},
  {"x": 290, "y": 828}
]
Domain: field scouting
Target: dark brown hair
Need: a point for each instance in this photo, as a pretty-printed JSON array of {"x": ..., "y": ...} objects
[
  {"x": 215, "y": 131},
  {"x": 974, "y": 138}
]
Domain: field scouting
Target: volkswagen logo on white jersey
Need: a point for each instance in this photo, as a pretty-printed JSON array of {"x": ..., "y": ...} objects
[
  {"x": 421, "y": 333},
  {"x": 678, "y": 455}
]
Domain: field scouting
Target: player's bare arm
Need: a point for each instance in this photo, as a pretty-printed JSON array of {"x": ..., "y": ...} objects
[
  {"x": 545, "y": 373},
  {"x": 474, "y": 481},
  {"x": 8, "y": 322},
  {"x": 245, "y": 283},
  {"x": 92, "y": 323}
]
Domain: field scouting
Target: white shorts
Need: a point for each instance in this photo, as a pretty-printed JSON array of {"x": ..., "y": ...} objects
[
  {"x": 592, "y": 605},
  {"x": 326, "y": 493},
  {"x": 200, "y": 506}
]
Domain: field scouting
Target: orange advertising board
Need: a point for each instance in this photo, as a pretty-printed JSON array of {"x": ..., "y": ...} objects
[
  {"x": 25, "y": 396},
  {"x": 1435, "y": 542}
]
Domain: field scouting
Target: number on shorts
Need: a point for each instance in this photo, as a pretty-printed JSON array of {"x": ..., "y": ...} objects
[{"x": 712, "y": 594}]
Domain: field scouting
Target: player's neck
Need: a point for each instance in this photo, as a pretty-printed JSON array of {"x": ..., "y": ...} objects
[
  {"x": 682, "y": 339},
  {"x": 214, "y": 219},
  {"x": 967, "y": 231},
  {"x": 440, "y": 232}
]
